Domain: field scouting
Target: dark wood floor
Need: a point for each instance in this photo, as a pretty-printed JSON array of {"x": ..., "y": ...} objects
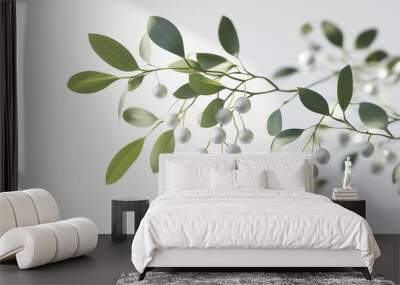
[
  {"x": 110, "y": 260},
  {"x": 103, "y": 266}
]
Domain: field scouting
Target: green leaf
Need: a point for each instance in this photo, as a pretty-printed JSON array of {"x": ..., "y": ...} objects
[
  {"x": 139, "y": 117},
  {"x": 182, "y": 66},
  {"x": 90, "y": 81},
  {"x": 285, "y": 71},
  {"x": 365, "y": 38},
  {"x": 319, "y": 184},
  {"x": 285, "y": 137},
  {"x": 306, "y": 29},
  {"x": 208, "y": 116},
  {"x": 164, "y": 144},
  {"x": 396, "y": 174},
  {"x": 204, "y": 85},
  {"x": 123, "y": 160},
  {"x": 164, "y": 34},
  {"x": 145, "y": 48},
  {"x": 185, "y": 92},
  {"x": 392, "y": 63},
  {"x": 345, "y": 87},
  {"x": 228, "y": 37},
  {"x": 332, "y": 33},
  {"x": 213, "y": 62},
  {"x": 323, "y": 127},
  {"x": 313, "y": 101},
  {"x": 274, "y": 123},
  {"x": 373, "y": 116},
  {"x": 113, "y": 52},
  {"x": 376, "y": 56},
  {"x": 135, "y": 82},
  {"x": 121, "y": 103}
]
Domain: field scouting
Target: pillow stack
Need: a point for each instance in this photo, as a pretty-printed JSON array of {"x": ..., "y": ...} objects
[
  {"x": 220, "y": 174},
  {"x": 183, "y": 175},
  {"x": 238, "y": 179}
]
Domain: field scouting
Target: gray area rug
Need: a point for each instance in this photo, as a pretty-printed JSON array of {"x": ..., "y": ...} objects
[{"x": 269, "y": 278}]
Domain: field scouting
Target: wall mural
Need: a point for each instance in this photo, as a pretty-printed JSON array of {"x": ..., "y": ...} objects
[{"x": 224, "y": 80}]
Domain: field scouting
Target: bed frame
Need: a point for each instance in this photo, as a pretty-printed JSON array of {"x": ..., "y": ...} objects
[
  {"x": 248, "y": 259},
  {"x": 234, "y": 259}
]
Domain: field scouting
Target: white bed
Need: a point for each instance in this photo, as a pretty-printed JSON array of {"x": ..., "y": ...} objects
[{"x": 251, "y": 227}]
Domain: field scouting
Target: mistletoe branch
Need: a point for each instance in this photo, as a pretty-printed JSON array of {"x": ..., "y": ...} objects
[{"x": 214, "y": 76}]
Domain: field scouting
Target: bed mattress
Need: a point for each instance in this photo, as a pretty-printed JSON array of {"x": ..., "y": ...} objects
[{"x": 250, "y": 219}]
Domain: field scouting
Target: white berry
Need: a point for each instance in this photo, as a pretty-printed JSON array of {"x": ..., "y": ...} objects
[
  {"x": 389, "y": 155},
  {"x": 218, "y": 135},
  {"x": 383, "y": 73},
  {"x": 377, "y": 167},
  {"x": 246, "y": 136},
  {"x": 367, "y": 149},
  {"x": 306, "y": 60},
  {"x": 171, "y": 120},
  {"x": 233, "y": 148},
  {"x": 242, "y": 104},
  {"x": 160, "y": 91},
  {"x": 182, "y": 134},
  {"x": 344, "y": 138},
  {"x": 371, "y": 89},
  {"x": 223, "y": 116},
  {"x": 322, "y": 156}
]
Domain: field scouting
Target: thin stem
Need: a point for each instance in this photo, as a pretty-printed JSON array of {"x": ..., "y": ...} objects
[
  {"x": 389, "y": 132},
  {"x": 261, "y": 77},
  {"x": 154, "y": 127},
  {"x": 208, "y": 144},
  {"x": 191, "y": 103},
  {"x": 211, "y": 72},
  {"x": 313, "y": 134},
  {"x": 157, "y": 78},
  {"x": 352, "y": 128},
  {"x": 323, "y": 79},
  {"x": 237, "y": 129},
  {"x": 172, "y": 106},
  {"x": 183, "y": 105},
  {"x": 241, "y": 119},
  {"x": 185, "y": 110}
]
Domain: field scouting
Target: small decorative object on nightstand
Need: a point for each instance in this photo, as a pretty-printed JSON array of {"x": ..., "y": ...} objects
[
  {"x": 119, "y": 207},
  {"x": 357, "y": 206},
  {"x": 347, "y": 192}
]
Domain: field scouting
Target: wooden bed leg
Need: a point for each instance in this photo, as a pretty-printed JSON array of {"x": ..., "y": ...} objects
[
  {"x": 143, "y": 274},
  {"x": 364, "y": 271}
]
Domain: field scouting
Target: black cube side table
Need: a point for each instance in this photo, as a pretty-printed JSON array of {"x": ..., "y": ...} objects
[
  {"x": 119, "y": 207},
  {"x": 357, "y": 206}
]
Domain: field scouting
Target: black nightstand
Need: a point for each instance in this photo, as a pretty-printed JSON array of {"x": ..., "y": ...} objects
[
  {"x": 119, "y": 207},
  {"x": 357, "y": 206}
]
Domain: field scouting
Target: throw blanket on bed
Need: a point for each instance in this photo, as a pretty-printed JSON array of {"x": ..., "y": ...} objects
[{"x": 250, "y": 219}]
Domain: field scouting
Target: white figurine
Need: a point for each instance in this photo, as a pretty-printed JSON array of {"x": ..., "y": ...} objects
[{"x": 347, "y": 174}]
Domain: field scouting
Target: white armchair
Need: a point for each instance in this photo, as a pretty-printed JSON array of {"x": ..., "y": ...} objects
[{"x": 32, "y": 233}]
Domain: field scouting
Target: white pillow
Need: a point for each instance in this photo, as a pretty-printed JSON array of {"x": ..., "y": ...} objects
[
  {"x": 251, "y": 178},
  {"x": 223, "y": 179},
  {"x": 282, "y": 174},
  {"x": 185, "y": 174},
  {"x": 187, "y": 177}
]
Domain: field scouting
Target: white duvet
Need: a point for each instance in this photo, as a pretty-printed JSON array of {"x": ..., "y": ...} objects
[{"x": 250, "y": 219}]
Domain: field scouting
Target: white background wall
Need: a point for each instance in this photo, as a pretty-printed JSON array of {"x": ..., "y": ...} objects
[{"x": 67, "y": 140}]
